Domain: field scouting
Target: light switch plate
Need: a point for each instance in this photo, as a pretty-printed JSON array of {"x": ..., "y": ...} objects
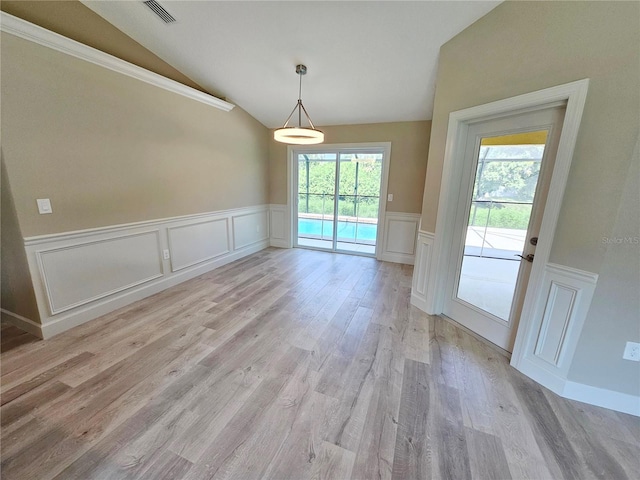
[{"x": 44, "y": 206}]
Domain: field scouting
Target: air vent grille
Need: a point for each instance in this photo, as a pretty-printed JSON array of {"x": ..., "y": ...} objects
[{"x": 160, "y": 11}]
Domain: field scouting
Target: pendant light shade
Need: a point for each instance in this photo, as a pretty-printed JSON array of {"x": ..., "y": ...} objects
[{"x": 299, "y": 135}]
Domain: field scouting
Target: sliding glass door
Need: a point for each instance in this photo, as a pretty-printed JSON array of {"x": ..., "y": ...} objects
[{"x": 338, "y": 199}]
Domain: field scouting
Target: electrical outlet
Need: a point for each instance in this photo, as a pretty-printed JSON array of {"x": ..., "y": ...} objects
[
  {"x": 632, "y": 352},
  {"x": 390, "y": 197},
  {"x": 165, "y": 254}
]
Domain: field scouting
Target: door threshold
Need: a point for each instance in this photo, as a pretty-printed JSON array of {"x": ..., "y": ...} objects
[{"x": 480, "y": 338}]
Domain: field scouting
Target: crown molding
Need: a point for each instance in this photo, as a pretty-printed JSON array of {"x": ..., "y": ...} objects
[{"x": 33, "y": 33}]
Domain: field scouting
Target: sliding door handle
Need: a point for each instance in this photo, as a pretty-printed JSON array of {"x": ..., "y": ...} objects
[{"x": 528, "y": 258}]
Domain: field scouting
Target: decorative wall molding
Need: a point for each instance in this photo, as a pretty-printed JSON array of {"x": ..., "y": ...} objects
[
  {"x": 420, "y": 284},
  {"x": 194, "y": 243},
  {"x": 279, "y": 226},
  {"x": 82, "y": 275},
  {"x": 399, "y": 237},
  {"x": 558, "y": 316},
  {"x": 64, "y": 269},
  {"x": 28, "y": 31}
]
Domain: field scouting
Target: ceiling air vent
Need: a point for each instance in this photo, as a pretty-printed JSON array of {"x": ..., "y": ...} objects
[{"x": 160, "y": 11}]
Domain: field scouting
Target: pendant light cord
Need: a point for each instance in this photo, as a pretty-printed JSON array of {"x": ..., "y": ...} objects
[{"x": 300, "y": 101}]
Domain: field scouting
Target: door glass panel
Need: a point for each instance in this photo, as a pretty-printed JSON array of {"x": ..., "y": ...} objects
[
  {"x": 316, "y": 187},
  {"x": 505, "y": 183},
  {"x": 358, "y": 202}
]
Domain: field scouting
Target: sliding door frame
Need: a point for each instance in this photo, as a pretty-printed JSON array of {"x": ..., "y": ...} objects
[{"x": 338, "y": 148}]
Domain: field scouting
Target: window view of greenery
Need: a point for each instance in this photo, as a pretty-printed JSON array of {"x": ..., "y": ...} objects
[
  {"x": 358, "y": 197},
  {"x": 506, "y": 181},
  {"x": 359, "y": 187}
]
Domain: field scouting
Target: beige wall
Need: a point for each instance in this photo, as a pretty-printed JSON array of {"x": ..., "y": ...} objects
[
  {"x": 526, "y": 46},
  {"x": 409, "y": 146},
  {"x": 73, "y": 20},
  {"x": 614, "y": 316},
  {"x": 17, "y": 290},
  {"x": 521, "y": 47},
  {"x": 108, "y": 149}
]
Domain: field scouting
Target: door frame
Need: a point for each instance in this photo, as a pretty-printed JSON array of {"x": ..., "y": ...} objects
[
  {"x": 574, "y": 94},
  {"x": 292, "y": 150},
  {"x": 494, "y": 325}
]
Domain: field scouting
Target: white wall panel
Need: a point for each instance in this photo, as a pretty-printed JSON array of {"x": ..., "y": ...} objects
[
  {"x": 557, "y": 316},
  {"x": 399, "y": 241},
  {"x": 78, "y": 274},
  {"x": 197, "y": 242},
  {"x": 250, "y": 228},
  {"x": 420, "y": 283}
]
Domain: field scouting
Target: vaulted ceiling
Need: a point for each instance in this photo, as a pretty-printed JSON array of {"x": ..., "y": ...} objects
[{"x": 368, "y": 62}]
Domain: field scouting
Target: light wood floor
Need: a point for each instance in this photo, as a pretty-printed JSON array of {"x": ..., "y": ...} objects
[{"x": 291, "y": 364}]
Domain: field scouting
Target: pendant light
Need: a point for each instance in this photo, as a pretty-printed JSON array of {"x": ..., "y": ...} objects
[{"x": 299, "y": 135}]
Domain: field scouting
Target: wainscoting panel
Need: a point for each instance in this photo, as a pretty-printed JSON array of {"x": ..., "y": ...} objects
[
  {"x": 197, "y": 242},
  {"x": 420, "y": 285},
  {"x": 278, "y": 227},
  {"x": 250, "y": 228},
  {"x": 558, "y": 313},
  {"x": 560, "y": 309},
  {"x": 399, "y": 241},
  {"x": 78, "y": 274}
]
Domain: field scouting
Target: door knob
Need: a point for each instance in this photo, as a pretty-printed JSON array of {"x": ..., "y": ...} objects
[{"x": 528, "y": 258}]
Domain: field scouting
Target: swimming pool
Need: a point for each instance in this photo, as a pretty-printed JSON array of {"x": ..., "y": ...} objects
[{"x": 323, "y": 229}]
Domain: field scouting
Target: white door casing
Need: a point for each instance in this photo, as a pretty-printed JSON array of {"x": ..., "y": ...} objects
[
  {"x": 495, "y": 329},
  {"x": 432, "y": 300}
]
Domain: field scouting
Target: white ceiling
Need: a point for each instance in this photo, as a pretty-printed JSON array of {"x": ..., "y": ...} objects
[{"x": 368, "y": 62}]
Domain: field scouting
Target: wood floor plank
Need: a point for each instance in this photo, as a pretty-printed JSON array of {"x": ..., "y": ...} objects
[
  {"x": 290, "y": 364},
  {"x": 411, "y": 459},
  {"x": 453, "y": 458},
  {"x": 333, "y": 463},
  {"x": 44, "y": 377},
  {"x": 550, "y": 436},
  {"x": 238, "y": 430},
  {"x": 486, "y": 456}
]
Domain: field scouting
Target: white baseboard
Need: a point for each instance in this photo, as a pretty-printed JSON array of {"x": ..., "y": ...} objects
[
  {"x": 399, "y": 240},
  {"x": 620, "y": 402},
  {"x": 82, "y": 275},
  {"x": 23, "y": 323},
  {"x": 600, "y": 397}
]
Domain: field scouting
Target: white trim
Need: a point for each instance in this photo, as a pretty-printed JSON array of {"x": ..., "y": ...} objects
[
  {"x": 391, "y": 252},
  {"x": 55, "y": 321},
  {"x": 420, "y": 282},
  {"x": 43, "y": 274},
  {"x": 621, "y": 402},
  {"x": 565, "y": 319},
  {"x": 279, "y": 226},
  {"x": 38, "y": 239},
  {"x": 575, "y": 95},
  {"x": 339, "y": 148},
  {"x": 177, "y": 268},
  {"x": 23, "y": 323},
  {"x": 41, "y": 36}
]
